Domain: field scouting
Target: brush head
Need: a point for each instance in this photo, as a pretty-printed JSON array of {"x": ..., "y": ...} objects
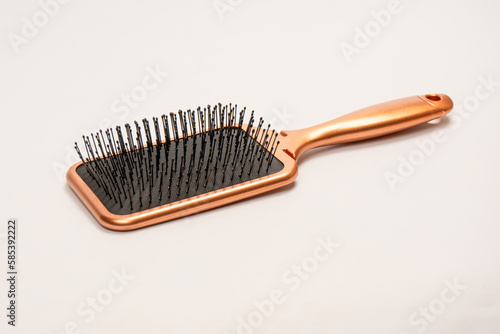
[{"x": 181, "y": 164}]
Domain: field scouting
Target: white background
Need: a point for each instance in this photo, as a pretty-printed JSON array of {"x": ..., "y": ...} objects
[{"x": 398, "y": 245}]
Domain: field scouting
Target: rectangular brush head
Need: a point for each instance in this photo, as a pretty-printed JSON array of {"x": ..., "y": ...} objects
[{"x": 183, "y": 164}]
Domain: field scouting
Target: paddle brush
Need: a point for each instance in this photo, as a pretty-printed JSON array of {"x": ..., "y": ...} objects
[{"x": 191, "y": 161}]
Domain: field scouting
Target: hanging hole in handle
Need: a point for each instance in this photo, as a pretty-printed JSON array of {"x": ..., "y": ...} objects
[{"x": 433, "y": 97}]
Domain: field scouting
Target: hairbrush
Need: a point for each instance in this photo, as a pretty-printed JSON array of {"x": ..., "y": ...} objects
[{"x": 195, "y": 160}]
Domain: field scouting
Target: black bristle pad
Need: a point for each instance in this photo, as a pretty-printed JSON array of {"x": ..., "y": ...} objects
[{"x": 129, "y": 179}]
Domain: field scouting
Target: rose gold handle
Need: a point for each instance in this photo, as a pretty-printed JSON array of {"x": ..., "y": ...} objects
[{"x": 374, "y": 121}]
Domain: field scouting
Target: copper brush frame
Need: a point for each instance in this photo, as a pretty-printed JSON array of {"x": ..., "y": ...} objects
[{"x": 374, "y": 121}]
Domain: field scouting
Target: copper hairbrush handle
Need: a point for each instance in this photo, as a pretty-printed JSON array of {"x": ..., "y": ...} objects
[{"x": 374, "y": 121}]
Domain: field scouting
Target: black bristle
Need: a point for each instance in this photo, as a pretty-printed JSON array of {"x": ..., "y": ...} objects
[{"x": 201, "y": 150}]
